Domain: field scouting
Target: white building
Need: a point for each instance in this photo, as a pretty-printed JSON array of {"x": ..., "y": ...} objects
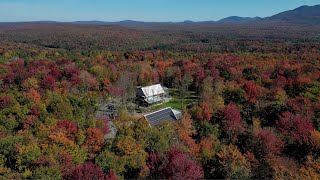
[{"x": 151, "y": 94}]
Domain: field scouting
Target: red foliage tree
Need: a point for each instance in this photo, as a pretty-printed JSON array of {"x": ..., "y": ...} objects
[
  {"x": 295, "y": 127},
  {"x": 48, "y": 82},
  {"x": 17, "y": 73},
  {"x": 215, "y": 73},
  {"x": 94, "y": 141},
  {"x": 35, "y": 111},
  {"x": 155, "y": 164},
  {"x": 55, "y": 72},
  {"x": 303, "y": 80},
  {"x": 211, "y": 66},
  {"x": 188, "y": 67},
  {"x": 202, "y": 112},
  {"x": 231, "y": 120},
  {"x": 252, "y": 91},
  {"x": 111, "y": 176},
  {"x": 145, "y": 76},
  {"x": 66, "y": 163},
  {"x": 161, "y": 67},
  {"x": 72, "y": 74},
  {"x": 8, "y": 80},
  {"x": 69, "y": 127},
  {"x": 115, "y": 91},
  {"x": 5, "y": 102},
  {"x": 200, "y": 76},
  {"x": 301, "y": 106},
  {"x": 207, "y": 112},
  {"x": 270, "y": 144},
  {"x": 29, "y": 121},
  {"x": 180, "y": 166},
  {"x": 45, "y": 160},
  {"x": 280, "y": 82},
  {"x": 34, "y": 95},
  {"x": 87, "y": 171}
]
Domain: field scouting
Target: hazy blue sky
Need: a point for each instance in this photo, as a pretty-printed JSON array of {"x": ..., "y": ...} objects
[{"x": 142, "y": 10}]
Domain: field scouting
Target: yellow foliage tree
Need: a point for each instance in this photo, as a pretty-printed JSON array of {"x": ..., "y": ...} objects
[
  {"x": 234, "y": 164},
  {"x": 185, "y": 132},
  {"x": 311, "y": 169}
]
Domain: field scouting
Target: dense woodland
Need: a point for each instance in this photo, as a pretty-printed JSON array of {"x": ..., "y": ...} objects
[{"x": 258, "y": 115}]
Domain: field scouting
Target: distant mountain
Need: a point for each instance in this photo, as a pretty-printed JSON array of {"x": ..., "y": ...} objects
[
  {"x": 188, "y": 21},
  {"x": 300, "y": 15},
  {"x": 125, "y": 23},
  {"x": 91, "y": 22},
  {"x": 303, "y": 14},
  {"x": 237, "y": 19}
]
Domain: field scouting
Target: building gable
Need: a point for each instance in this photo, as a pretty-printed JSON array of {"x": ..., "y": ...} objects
[
  {"x": 153, "y": 90},
  {"x": 156, "y": 118}
]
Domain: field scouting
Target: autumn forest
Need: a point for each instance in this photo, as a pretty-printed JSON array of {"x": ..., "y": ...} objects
[{"x": 254, "y": 112}]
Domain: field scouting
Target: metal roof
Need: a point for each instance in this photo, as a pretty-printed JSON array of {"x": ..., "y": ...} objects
[
  {"x": 153, "y": 90},
  {"x": 157, "y": 117}
]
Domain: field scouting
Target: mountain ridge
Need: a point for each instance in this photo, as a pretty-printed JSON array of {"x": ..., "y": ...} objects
[
  {"x": 238, "y": 19},
  {"x": 301, "y": 15}
]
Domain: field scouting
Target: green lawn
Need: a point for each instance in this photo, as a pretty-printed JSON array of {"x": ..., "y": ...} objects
[{"x": 176, "y": 102}]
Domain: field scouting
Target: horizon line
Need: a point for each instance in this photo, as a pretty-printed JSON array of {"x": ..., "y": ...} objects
[
  {"x": 132, "y": 20},
  {"x": 146, "y": 21}
]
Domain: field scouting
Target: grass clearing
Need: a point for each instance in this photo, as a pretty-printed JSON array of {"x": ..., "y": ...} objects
[{"x": 176, "y": 102}]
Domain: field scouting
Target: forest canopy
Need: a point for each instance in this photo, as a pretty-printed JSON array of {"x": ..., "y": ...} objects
[{"x": 256, "y": 114}]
